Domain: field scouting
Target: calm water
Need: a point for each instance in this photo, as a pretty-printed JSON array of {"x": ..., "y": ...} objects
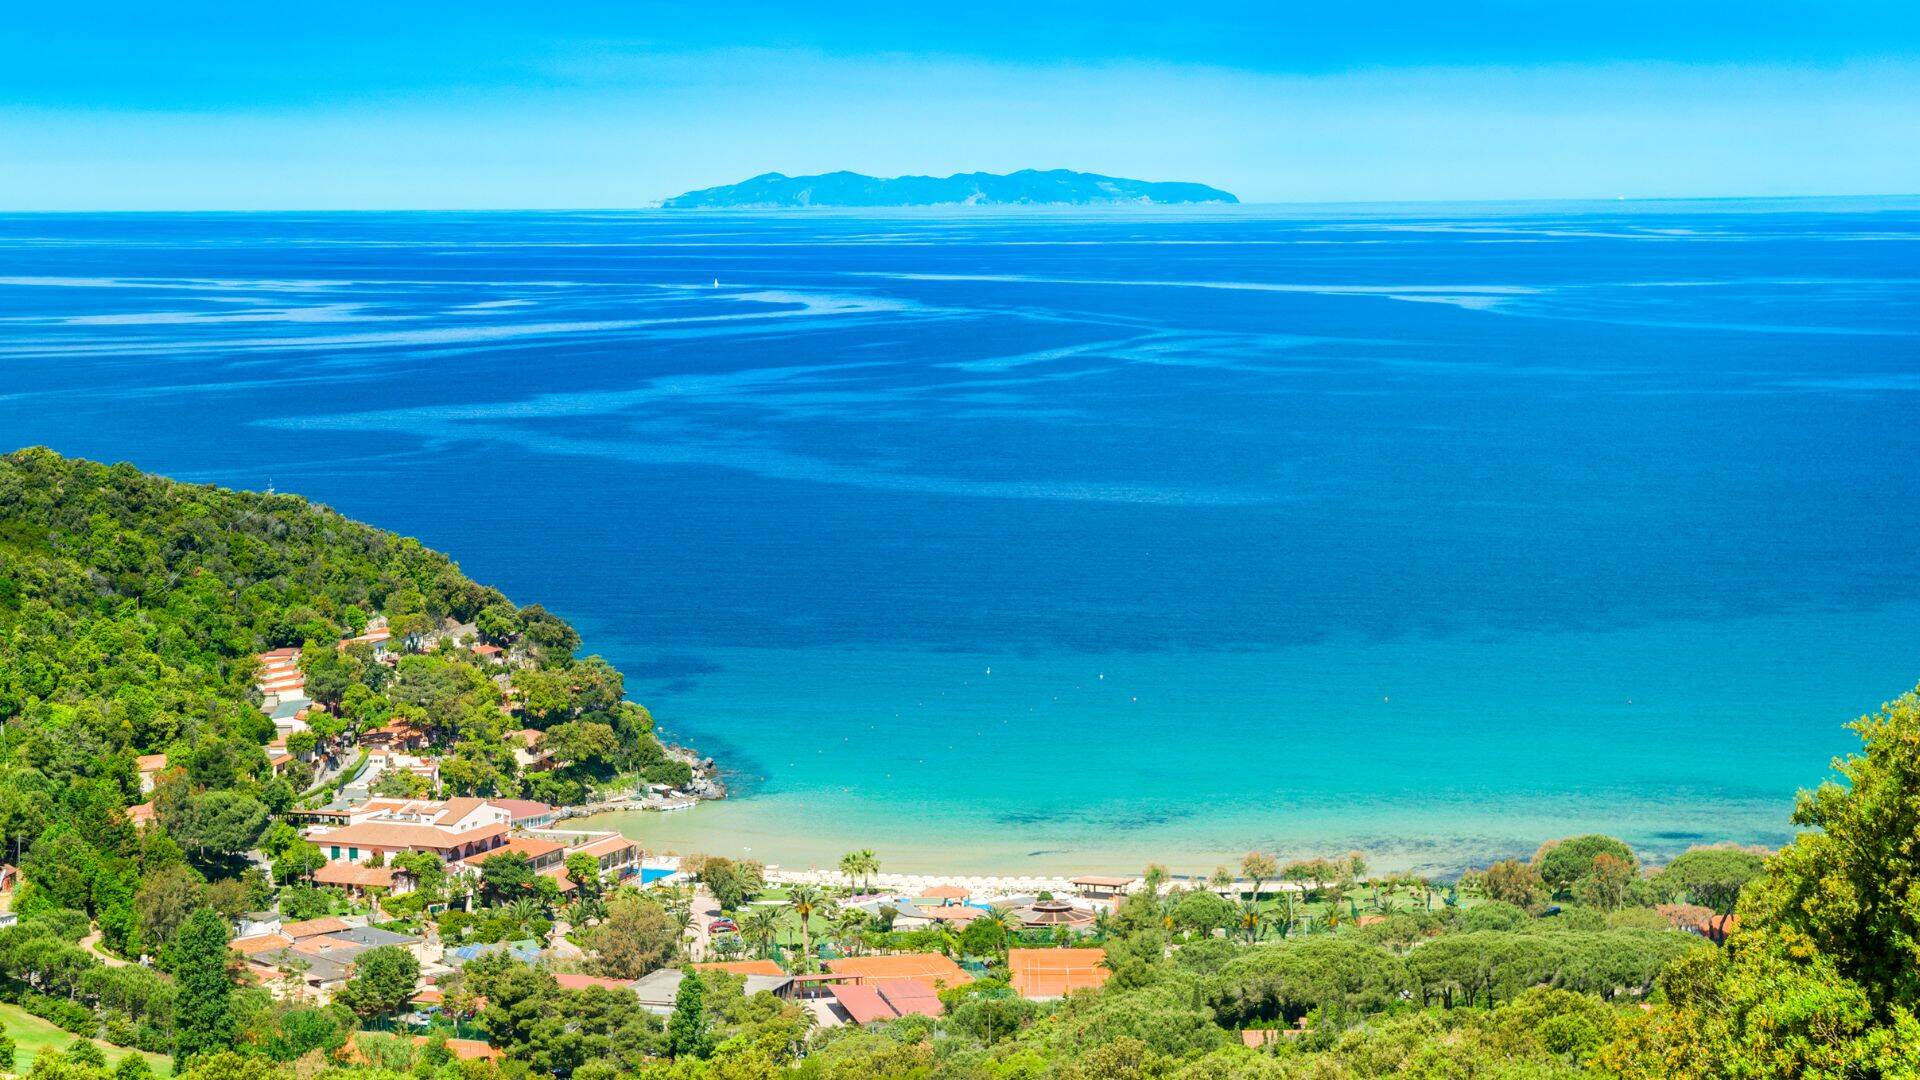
[{"x": 1039, "y": 541}]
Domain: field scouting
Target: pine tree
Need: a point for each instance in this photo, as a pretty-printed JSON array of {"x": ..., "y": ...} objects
[
  {"x": 687, "y": 1034},
  {"x": 203, "y": 1007}
]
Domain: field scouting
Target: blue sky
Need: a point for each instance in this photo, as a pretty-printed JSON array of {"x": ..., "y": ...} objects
[{"x": 576, "y": 103}]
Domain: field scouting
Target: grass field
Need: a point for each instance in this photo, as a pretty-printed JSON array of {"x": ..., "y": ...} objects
[{"x": 33, "y": 1036}]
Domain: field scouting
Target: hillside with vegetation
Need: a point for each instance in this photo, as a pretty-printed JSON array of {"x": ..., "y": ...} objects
[{"x": 132, "y": 613}]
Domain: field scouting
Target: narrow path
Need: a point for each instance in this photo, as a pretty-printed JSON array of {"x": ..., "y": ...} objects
[{"x": 91, "y": 943}]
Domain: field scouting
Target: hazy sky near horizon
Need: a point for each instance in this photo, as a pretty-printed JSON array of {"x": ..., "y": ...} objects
[{"x": 589, "y": 104}]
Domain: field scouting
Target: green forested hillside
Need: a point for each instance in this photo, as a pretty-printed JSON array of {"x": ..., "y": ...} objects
[{"x": 132, "y": 609}]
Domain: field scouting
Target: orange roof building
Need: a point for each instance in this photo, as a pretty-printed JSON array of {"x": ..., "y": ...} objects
[
  {"x": 1053, "y": 973},
  {"x": 880, "y": 970},
  {"x": 886, "y": 1001},
  {"x": 570, "y": 981},
  {"x": 362, "y": 840},
  {"x": 259, "y": 943},
  {"x": 315, "y": 927},
  {"x": 744, "y": 967},
  {"x": 541, "y": 853}
]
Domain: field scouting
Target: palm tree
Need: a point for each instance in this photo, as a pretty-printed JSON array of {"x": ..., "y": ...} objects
[
  {"x": 524, "y": 910},
  {"x": 1010, "y": 924},
  {"x": 1103, "y": 925},
  {"x": 861, "y": 865},
  {"x": 846, "y": 928},
  {"x": 586, "y": 910},
  {"x": 1250, "y": 920},
  {"x": 760, "y": 927},
  {"x": 803, "y": 900},
  {"x": 1155, "y": 876}
]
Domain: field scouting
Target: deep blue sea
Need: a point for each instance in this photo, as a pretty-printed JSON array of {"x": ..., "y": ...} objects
[{"x": 1069, "y": 540}]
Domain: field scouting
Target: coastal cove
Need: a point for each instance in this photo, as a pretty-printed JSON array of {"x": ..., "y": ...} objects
[
  {"x": 1430, "y": 755},
  {"x": 1433, "y": 532}
]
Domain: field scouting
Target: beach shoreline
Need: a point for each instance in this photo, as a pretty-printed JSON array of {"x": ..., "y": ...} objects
[{"x": 777, "y": 833}]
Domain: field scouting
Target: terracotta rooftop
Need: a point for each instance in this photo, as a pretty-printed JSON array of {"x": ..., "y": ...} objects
[
  {"x": 530, "y": 846},
  {"x": 945, "y": 892},
  {"x": 607, "y": 845},
  {"x": 1051, "y": 973},
  {"x": 354, "y": 875},
  {"x": 151, "y": 762},
  {"x": 745, "y": 967},
  {"x": 875, "y": 970},
  {"x": 259, "y": 943},
  {"x": 959, "y": 914},
  {"x": 886, "y": 1001},
  {"x": 314, "y": 927},
  {"x": 521, "y": 809},
  {"x": 380, "y": 834},
  {"x": 581, "y": 982}
]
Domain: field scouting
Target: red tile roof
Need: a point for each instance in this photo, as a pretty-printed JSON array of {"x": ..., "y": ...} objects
[
  {"x": 314, "y": 927},
  {"x": 531, "y": 847},
  {"x": 581, "y": 982},
  {"x": 886, "y": 1001},
  {"x": 380, "y": 834},
  {"x": 521, "y": 809},
  {"x": 862, "y": 1003},
  {"x": 927, "y": 967},
  {"x": 745, "y": 967},
  {"x": 354, "y": 875},
  {"x": 259, "y": 943}
]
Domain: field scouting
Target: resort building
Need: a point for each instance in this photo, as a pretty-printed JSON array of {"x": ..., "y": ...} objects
[
  {"x": 1102, "y": 887},
  {"x": 1048, "y": 914},
  {"x": 377, "y": 636},
  {"x": 618, "y": 855},
  {"x": 861, "y": 1004},
  {"x": 744, "y": 967},
  {"x": 1045, "y": 974},
  {"x": 526, "y": 750},
  {"x": 400, "y": 735},
  {"x": 525, "y": 813},
  {"x": 656, "y": 991},
  {"x": 455, "y": 830},
  {"x": 357, "y": 879},
  {"x": 541, "y": 854},
  {"x": 313, "y": 959},
  {"x": 150, "y": 767},
  {"x": 931, "y": 968}
]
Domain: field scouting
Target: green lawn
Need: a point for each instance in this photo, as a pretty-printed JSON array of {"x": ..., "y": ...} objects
[{"x": 32, "y": 1036}]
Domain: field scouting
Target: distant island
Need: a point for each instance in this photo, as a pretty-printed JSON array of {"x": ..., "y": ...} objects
[{"x": 1028, "y": 187}]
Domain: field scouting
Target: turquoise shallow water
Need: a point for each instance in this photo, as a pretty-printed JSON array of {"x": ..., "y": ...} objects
[
  {"x": 1425, "y": 754},
  {"x": 1432, "y": 531}
]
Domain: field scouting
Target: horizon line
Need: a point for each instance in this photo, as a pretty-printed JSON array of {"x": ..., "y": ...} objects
[{"x": 1612, "y": 200}]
